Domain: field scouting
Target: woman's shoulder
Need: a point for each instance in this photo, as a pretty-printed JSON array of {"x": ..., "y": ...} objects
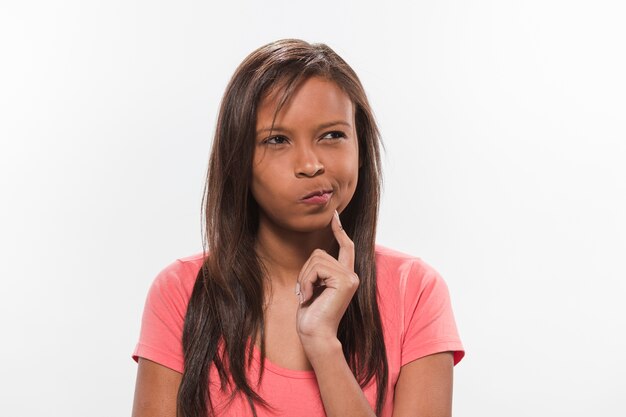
[
  {"x": 386, "y": 253},
  {"x": 391, "y": 258},
  {"x": 179, "y": 276},
  {"x": 164, "y": 312},
  {"x": 400, "y": 268},
  {"x": 415, "y": 305}
]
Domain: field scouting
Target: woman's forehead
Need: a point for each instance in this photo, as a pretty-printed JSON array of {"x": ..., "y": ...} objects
[{"x": 314, "y": 95}]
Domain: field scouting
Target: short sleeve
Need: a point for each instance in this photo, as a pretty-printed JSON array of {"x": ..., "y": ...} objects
[
  {"x": 160, "y": 338},
  {"x": 429, "y": 324}
]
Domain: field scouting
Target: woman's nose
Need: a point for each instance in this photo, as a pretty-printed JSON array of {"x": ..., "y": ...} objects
[{"x": 308, "y": 164}]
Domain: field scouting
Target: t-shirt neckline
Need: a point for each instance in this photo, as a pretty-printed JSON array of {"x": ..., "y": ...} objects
[{"x": 272, "y": 367}]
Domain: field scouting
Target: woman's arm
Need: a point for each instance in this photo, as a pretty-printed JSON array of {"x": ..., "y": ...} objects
[
  {"x": 424, "y": 387},
  {"x": 339, "y": 389},
  {"x": 318, "y": 319},
  {"x": 155, "y": 390}
]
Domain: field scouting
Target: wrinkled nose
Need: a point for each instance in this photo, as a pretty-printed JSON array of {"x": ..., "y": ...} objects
[{"x": 308, "y": 164}]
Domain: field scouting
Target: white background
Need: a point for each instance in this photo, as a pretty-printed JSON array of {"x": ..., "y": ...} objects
[{"x": 504, "y": 126}]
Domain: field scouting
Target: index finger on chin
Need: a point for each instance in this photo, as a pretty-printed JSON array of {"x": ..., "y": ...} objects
[{"x": 346, "y": 246}]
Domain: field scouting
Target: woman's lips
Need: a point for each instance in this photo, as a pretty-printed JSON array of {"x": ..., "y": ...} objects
[{"x": 321, "y": 197}]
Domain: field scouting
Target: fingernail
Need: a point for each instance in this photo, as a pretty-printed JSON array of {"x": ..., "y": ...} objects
[
  {"x": 298, "y": 289},
  {"x": 338, "y": 219}
]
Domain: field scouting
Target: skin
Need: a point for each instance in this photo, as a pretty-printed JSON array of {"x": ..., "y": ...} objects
[
  {"x": 310, "y": 261},
  {"x": 312, "y": 145}
]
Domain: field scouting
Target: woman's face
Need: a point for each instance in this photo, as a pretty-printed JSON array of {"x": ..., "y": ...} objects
[{"x": 307, "y": 166}]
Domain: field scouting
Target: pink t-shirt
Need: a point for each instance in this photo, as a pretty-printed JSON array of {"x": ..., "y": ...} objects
[{"x": 415, "y": 310}]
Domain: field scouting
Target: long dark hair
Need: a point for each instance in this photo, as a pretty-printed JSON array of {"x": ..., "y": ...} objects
[{"x": 225, "y": 311}]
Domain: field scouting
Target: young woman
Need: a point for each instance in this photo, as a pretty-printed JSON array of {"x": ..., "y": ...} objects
[{"x": 293, "y": 310}]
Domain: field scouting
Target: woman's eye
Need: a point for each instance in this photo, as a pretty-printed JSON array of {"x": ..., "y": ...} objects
[
  {"x": 334, "y": 135},
  {"x": 276, "y": 140}
]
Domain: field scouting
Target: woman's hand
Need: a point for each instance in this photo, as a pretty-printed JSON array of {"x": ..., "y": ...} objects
[{"x": 325, "y": 287}]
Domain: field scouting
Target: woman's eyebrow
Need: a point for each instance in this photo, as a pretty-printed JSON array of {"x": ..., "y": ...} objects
[{"x": 319, "y": 127}]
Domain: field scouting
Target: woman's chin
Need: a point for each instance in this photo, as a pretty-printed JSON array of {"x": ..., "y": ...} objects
[
  {"x": 301, "y": 224},
  {"x": 309, "y": 225}
]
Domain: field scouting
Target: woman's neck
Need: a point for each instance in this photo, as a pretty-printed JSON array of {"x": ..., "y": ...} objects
[{"x": 284, "y": 253}]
